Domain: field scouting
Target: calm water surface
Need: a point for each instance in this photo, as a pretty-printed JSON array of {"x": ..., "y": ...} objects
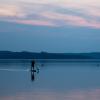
[{"x": 55, "y": 80}]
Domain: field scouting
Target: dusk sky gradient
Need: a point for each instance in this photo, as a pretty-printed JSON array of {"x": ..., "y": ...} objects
[{"x": 50, "y": 25}]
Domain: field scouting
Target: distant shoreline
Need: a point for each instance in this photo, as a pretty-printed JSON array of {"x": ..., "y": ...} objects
[
  {"x": 58, "y": 60},
  {"x": 49, "y": 56}
]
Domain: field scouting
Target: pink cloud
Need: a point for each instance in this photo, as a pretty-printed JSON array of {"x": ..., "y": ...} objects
[
  {"x": 93, "y": 12},
  {"x": 35, "y": 22},
  {"x": 10, "y": 11},
  {"x": 52, "y": 18},
  {"x": 71, "y": 20}
]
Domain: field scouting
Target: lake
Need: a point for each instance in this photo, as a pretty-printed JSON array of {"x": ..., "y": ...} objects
[{"x": 54, "y": 80}]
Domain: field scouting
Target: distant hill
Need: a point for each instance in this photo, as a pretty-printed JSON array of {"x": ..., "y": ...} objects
[{"x": 45, "y": 55}]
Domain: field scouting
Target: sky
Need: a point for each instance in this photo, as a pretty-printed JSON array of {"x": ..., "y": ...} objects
[{"x": 50, "y": 25}]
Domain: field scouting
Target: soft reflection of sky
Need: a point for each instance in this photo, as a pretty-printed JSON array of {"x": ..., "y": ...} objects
[
  {"x": 55, "y": 81},
  {"x": 93, "y": 94}
]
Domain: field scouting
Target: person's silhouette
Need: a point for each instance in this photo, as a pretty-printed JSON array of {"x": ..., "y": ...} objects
[
  {"x": 32, "y": 65},
  {"x": 32, "y": 70}
]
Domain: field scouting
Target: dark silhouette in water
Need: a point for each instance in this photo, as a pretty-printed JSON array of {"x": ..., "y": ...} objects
[
  {"x": 32, "y": 65},
  {"x": 32, "y": 70}
]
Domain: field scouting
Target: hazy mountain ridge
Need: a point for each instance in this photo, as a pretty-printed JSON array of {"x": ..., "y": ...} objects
[{"x": 45, "y": 55}]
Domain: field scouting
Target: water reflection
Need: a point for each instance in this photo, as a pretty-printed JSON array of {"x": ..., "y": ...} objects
[
  {"x": 55, "y": 81},
  {"x": 32, "y": 76},
  {"x": 92, "y": 94}
]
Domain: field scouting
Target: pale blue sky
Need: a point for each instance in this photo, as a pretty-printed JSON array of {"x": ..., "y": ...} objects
[{"x": 50, "y": 25}]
